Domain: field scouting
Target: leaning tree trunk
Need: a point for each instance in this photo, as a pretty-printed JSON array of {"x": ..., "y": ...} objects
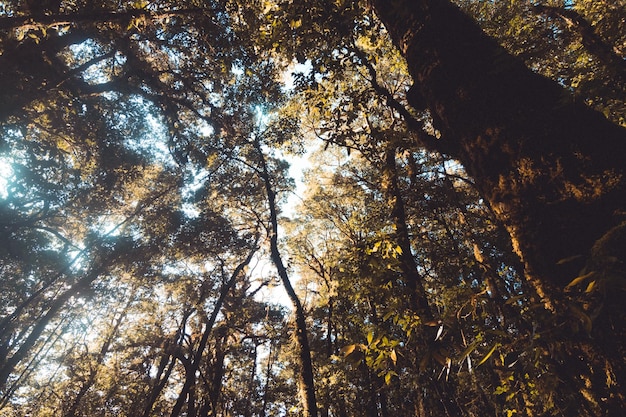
[{"x": 551, "y": 168}]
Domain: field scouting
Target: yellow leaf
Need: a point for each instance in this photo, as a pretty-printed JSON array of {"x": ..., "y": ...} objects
[
  {"x": 488, "y": 355},
  {"x": 580, "y": 279},
  {"x": 393, "y": 356},
  {"x": 387, "y": 378},
  {"x": 346, "y": 350},
  {"x": 591, "y": 286}
]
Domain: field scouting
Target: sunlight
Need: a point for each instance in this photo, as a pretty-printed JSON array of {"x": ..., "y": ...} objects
[{"x": 6, "y": 172}]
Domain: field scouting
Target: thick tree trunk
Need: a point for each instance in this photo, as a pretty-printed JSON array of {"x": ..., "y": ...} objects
[{"x": 551, "y": 168}]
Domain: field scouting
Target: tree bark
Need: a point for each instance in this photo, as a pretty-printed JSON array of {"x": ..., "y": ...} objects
[
  {"x": 305, "y": 376},
  {"x": 551, "y": 168}
]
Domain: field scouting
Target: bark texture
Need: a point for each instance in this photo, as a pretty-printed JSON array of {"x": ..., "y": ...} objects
[{"x": 551, "y": 168}]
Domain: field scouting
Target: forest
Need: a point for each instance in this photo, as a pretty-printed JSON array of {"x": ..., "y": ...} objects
[{"x": 316, "y": 208}]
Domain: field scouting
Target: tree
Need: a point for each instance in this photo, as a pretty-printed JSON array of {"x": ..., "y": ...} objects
[
  {"x": 305, "y": 373},
  {"x": 534, "y": 154},
  {"x": 140, "y": 152}
]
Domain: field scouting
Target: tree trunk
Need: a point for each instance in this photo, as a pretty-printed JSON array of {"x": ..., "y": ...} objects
[
  {"x": 104, "y": 350},
  {"x": 551, "y": 168},
  {"x": 414, "y": 280},
  {"x": 305, "y": 374},
  {"x": 187, "y": 391}
]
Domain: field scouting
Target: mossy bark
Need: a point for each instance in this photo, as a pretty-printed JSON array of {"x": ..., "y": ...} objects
[{"x": 551, "y": 168}]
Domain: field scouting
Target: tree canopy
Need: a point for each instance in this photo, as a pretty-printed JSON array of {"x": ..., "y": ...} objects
[{"x": 456, "y": 246}]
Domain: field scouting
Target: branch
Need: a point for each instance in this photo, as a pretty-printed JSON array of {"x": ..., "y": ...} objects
[
  {"x": 427, "y": 141},
  {"x": 590, "y": 39},
  {"x": 96, "y": 16}
]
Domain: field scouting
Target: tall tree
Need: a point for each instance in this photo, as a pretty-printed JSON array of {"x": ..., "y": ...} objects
[
  {"x": 305, "y": 373},
  {"x": 550, "y": 167}
]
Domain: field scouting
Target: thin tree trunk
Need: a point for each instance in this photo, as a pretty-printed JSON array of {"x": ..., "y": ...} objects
[
  {"x": 99, "y": 361},
  {"x": 306, "y": 379},
  {"x": 166, "y": 365},
  {"x": 414, "y": 280},
  {"x": 268, "y": 378},
  {"x": 593, "y": 42},
  {"x": 196, "y": 358}
]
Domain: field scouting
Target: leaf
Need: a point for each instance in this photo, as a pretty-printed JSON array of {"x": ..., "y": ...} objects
[
  {"x": 393, "y": 356},
  {"x": 579, "y": 279},
  {"x": 568, "y": 259},
  {"x": 346, "y": 350},
  {"x": 488, "y": 355},
  {"x": 387, "y": 378},
  {"x": 388, "y": 315},
  {"x": 370, "y": 337},
  {"x": 591, "y": 286},
  {"x": 513, "y": 300},
  {"x": 467, "y": 351},
  {"x": 439, "y": 333}
]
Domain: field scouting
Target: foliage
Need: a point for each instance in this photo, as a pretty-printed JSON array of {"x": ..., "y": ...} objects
[{"x": 143, "y": 170}]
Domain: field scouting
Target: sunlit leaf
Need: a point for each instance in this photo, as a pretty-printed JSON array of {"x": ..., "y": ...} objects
[
  {"x": 590, "y": 286},
  {"x": 439, "y": 332},
  {"x": 580, "y": 279},
  {"x": 488, "y": 355},
  {"x": 346, "y": 350}
]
